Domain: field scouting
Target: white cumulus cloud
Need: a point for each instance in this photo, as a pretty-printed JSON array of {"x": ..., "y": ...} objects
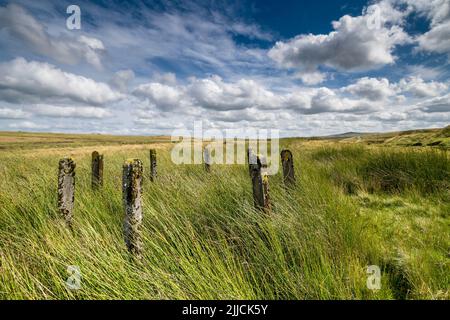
[
  {"x": 70, "y": 111},
  {"x": 371, "y": 88},
  {"x": 21, "y": 80},
  {"x": 9, "y": 113},
  {"x": 354, "y": 45},
  {"x": 419, "y": 88}
]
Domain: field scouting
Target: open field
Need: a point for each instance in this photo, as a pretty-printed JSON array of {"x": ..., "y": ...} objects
[
  {"x": 362, "y": 200},
  {"x": 29, "y": 140},
  {"x": 413, "y": 138}
]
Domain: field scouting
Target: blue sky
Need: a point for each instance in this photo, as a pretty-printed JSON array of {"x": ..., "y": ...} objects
[{"x": 150, "y": 67}]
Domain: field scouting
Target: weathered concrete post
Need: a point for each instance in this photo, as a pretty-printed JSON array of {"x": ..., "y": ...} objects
[
  {"x": 132, "y": 191},
  {"x": 207, "y": 159},
  {"x": 287, "y": 162},
  {"x": 66, "y": 188},
  {"x": 265, "y": 181},
  {"x": 260, "y": 184},
  {"x": 97, "y": 170},
  {"x": 153, "y": 173}
]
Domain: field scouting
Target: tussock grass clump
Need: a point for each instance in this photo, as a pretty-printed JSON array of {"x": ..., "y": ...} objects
[
  {"x": 445, "y": 132},
  {"x": 386, "y": 170},
  {"x": 404, "y": 198},
  {"x": 339, "y": 153},
  {"x": 394, "y": 171}
]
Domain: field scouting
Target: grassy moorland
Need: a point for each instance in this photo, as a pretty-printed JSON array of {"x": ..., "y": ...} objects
[
  {"x": 10, "y": 141},
  {"x": 356, "y": 203}
]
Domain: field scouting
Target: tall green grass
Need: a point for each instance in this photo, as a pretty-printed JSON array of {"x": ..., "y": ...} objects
[
  {"x": 404, "y": 198},
  {"x": 387, "y": 170},
  {"x": 202, "y": 237},
  {"x": 427, "y": 171}
]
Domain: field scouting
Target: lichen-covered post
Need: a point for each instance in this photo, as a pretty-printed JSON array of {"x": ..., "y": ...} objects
[
  {"x": 97, "y": 170},
  {"x": 132, "y": 191},
  {"x": 287, "y": 162},
  {"x": 265, "y": 182},
  {"x": 66, "y": 188},
  {"x": 207, "y": 159},
  {"x": 260, "y": 184},
  {"x": 152, "y": 165}
]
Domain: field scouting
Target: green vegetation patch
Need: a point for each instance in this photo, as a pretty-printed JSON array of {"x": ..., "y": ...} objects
[{"x": 387, "y": 170}]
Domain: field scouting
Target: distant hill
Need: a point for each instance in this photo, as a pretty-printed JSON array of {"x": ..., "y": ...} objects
[
  {"x": 439, "y": 138},
  {"x": 344, "y": 135},
  {"x": 410, "y": 138}
]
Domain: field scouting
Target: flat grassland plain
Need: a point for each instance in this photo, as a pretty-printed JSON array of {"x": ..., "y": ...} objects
[{"x": 359, "y": 200}]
